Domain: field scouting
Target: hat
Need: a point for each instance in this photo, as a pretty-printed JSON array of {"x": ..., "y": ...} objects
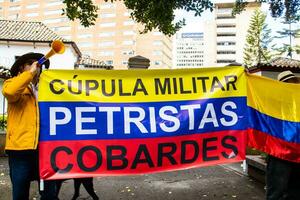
[
  {"x": 285, "y": 75},
  {"x": 14, "y": 70}
]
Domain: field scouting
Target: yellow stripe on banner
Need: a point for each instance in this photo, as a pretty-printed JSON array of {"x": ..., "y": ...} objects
[
  {"x": 141, "y": 85},
  {"x": 274, "y": 98}
]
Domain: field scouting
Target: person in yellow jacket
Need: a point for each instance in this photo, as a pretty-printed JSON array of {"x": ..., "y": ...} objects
[{"x": 23, "y": 126}]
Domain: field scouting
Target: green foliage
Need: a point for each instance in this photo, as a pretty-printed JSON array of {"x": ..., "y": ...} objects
[
  {"x": 160, "y": 13},
  {"x": 3, "y": 122},
  {"x": 287, "y": 9},
  {"x": 84, "y": 10},
  {"x": 151, "y": 13},
  {"x": 290, "y": 33},
  {"x": 257, "y": 40}
]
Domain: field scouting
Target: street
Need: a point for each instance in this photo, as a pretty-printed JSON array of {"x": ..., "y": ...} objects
[{"x": 215, "y": 182}]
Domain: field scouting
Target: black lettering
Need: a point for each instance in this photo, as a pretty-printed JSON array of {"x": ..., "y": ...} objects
[
  {"x": 161, "y": 88},
  {"x": 203, "y": 79},
  {"x": 182, "y": 91},
  {"x": 184, "y": 144},
  {"x": 137, "y": 160},
  {"x": 139, "y": 83},
  {"x": 113, "y": 88},
  {"x": 120, "y": 157},
  {"x": 216, "y": 84},
  {"x": 80, "y": 158},
  {"x": 121, "y": 89},
  {"x": 71, "y": 88},
  {"x": 168, "y": 155},
  {"x": 232, "y": 82},
  {"x": 207, "y": 148},
  {"x": 91, "y": 85},
  {"x": 229, "y": 146},
  {"x": 52, "y": 87},
  {"x": 53, "y": 160},
  {"x": 194, "y": 85},
  {"x": 175, "y": 85}
]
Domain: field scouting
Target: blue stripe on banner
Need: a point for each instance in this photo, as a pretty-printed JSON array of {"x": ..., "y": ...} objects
[
  {"x": 91, "y": 120},
  {"x": 285, "y": 130}
]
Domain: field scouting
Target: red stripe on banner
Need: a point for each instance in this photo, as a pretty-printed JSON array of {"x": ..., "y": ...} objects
[
  {"x": 274, "y": 146},
  {"x": 88, "y": 158}
]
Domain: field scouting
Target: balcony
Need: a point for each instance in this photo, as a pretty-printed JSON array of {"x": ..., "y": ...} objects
[
  {"x": 226, "y": 38},
  {"x": 229, "y": 21},
  {"x": 226, "y": 56},
  {"x": 226, "y": 30}
]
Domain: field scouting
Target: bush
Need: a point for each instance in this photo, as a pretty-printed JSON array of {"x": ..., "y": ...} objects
[{"x": 3, "y": 122}]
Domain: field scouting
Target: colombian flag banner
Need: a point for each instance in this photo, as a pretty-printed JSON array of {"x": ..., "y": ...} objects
[
  {"x": 274, "y": 117},
  {"x": 121, "y": 122}
]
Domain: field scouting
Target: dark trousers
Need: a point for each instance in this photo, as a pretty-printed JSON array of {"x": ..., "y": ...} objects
[
  {"x": 23, "y": 168},
  {"x": 283, "y": 179}
]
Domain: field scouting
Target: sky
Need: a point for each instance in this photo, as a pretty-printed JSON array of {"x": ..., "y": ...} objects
[{"x": 195, "y": 24}]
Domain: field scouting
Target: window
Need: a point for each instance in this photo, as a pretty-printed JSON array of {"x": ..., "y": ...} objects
[
  {"x": 12, "y": 8},
  {"x": 85, "y": 36},
  {"x": 53, "y": 12},
  {"x": 62, "y": 28},
  {"x": 34, "y": 5},
  {"x": 225, "y": 34},
  {"x": 109, "y": 24},
  {"x": 106, "y": 34},
  {"x": 107, "y": 6},
  {"x": 128, "y": 33},
  {"x": 128, "y": 23},
  {"x": 13, "y": 17},
  {"x": 225, "y": 26},
  {"x": 106, "y": 43},
  {"x": 66, "y": 36},
  {"x": 157, "y": 33},
  {"x": 32, "y": 14},
  {"x": 106, "y": 53},
  {"x": 225, "y": 43},
  {"x": 107, "y": 15},
  {"x": 51, "y": 21},
  {"x": 157, "y": 62},
  {"x": 128, "y": 52},
  {"x": 126, "y": 14},
  {"x": 85, "y": 44},
  {"x": 157, "y": 53},
  {"x": 225, "y": 17},
  {"x": 225, "y": 52},
  {"x": 125, "y": 62},
  {"x": 54, "y": 3},
  {"x": 157, "y": 43},
  {"x": 128, "y": 42},
  {"x": 225, "y": 61},
  {"x": 109, "y": 62}
]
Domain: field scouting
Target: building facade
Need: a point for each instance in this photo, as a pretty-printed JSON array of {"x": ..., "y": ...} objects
[
  {"x": 189, "y": 50},
  {"x": 114, "y": 38},
  {"x": 225, "y": 35}
]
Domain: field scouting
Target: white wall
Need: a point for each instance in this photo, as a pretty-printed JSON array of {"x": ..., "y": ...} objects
[{"x": 59, "y": 61}]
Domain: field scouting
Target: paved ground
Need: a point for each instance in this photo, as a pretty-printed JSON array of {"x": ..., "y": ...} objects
[{"x": 208, "y": 183}]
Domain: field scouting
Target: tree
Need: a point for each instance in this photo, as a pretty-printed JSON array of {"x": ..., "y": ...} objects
[
  {"x": 160, "y": 13},
  {"x": 291, "y": 34},
  {"x": 257, "y": 40}
]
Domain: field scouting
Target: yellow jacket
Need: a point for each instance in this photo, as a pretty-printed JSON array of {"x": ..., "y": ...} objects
[{"x": 23, "y": 115}]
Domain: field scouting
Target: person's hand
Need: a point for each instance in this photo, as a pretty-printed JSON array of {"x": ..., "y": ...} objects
[{"x": 34, "y": 67}]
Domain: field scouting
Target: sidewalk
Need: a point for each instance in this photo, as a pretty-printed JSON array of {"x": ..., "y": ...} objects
[{"x": 208, "y": 183}]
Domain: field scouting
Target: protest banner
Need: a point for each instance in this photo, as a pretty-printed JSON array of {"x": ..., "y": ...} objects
[{"x": 120, "y": 122}]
